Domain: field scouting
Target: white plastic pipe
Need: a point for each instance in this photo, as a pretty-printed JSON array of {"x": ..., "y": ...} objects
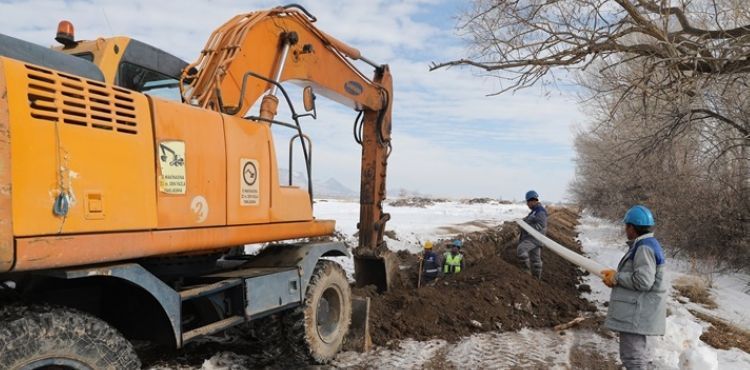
[{"x": 573, "y": 257}]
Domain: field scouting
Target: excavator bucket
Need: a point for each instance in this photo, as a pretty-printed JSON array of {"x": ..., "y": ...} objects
[
  {"x": 358, "y": 338},
  {"x": 380, "y": 271}
]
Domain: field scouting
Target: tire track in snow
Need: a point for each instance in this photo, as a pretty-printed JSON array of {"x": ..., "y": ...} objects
[
  {"x": 410, "y": 355},
  {"x": 526, "y": 349}
]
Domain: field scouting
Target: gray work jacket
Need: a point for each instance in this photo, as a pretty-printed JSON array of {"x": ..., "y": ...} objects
[
  {"x": 537, "y": 219},
  {"x": 638, "y": 303}
]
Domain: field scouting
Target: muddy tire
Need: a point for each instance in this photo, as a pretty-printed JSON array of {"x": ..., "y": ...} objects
[
  {"x": 45, "y": 337},
  {"x": 267, "y": 340},
  {"x": 316, "y": 330}
]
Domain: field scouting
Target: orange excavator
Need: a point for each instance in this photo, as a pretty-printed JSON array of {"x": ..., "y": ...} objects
[{"x": 130, "y": 182}]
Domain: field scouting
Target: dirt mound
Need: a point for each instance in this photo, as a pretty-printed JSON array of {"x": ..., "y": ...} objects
[
  {"x": 485, "y": 200},
  {"x": 492, "y": 294},
  {"x": 419, "y": 202},
  {"x": 477, "y": 201}
]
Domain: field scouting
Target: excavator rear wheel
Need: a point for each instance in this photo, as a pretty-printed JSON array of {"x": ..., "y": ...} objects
[
  {"x": 316, "y": 330},
  {"x": 46, "y": 337}
]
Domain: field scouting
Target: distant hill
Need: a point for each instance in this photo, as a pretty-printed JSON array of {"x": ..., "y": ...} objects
[{"x": 330, "y": 188}]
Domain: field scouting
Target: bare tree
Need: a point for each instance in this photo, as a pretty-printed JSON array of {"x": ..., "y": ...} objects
[
  {"x": 665, "y": 84},
  {"x": 526, "y": 39},
  {"x": 683, "y": 46}
]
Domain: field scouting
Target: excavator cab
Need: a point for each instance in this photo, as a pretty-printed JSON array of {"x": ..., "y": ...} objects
[
  {"x": 127, "y": 62},
  {"x": 149, "y": 70}
]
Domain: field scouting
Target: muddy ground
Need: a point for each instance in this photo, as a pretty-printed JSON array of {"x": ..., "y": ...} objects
[{"x": 492, "y": 294}]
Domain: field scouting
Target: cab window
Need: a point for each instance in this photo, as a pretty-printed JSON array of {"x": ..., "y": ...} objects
[{"x": 134, "y": 77}]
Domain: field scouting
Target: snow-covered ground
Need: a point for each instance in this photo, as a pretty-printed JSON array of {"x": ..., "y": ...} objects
[
  {"x": 413, "y": 224},
  {"x": 602, "y": 240}
]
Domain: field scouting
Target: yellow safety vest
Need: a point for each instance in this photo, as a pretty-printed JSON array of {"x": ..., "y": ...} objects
[{"x": 452, "y": 263}]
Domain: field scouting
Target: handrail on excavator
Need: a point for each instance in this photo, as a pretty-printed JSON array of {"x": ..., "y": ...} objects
[
  {"x": 313, "y": 19},
  {"x": 291, "y": 154},
  {"x": 307, "y": 152}
]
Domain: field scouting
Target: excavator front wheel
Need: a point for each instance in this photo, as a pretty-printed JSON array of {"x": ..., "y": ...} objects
[{"x": 317, "y": 328}]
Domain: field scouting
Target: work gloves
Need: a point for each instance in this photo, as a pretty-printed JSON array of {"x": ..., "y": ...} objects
[{"x": 608, "y": 277}]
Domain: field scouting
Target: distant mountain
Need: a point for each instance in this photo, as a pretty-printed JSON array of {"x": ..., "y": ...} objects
[
  {"x": 298, "y": 178},
  {"x": 330, "y": 188}
]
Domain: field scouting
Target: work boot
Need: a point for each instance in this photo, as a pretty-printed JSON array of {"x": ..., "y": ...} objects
[
  {"x": 537, "y": 274},
  {"x": 526, "y": 266}
]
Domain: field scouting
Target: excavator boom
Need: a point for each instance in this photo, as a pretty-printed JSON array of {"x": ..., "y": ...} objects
[{"x": 252, "y": 53}]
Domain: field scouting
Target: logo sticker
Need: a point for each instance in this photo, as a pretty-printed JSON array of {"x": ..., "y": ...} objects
[
  {"x": 172, "y": 165},
  {"x": 353, "y": 87},
  {"x": 249, "y": 185}
]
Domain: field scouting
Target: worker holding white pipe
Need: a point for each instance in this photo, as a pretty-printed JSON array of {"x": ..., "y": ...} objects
[
  {"x": 529, "y": 248},
  {"x": 637, "y": 305}
]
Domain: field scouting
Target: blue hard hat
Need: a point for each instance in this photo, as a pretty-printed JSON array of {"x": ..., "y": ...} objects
[
  {"x": 639, "y": 216},
  {"x": 531, "y": 195},
  {"x": 458, "y": 243}
]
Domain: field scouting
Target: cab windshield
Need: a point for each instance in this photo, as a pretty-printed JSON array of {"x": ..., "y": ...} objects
[{"x": 135, "y": 77}]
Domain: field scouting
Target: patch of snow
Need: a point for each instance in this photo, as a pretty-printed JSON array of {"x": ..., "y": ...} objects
[
  {"x": 698, "y": 357},
  {"x": 409, "y": 354},
  {"x": 681, "y": 347},
  {"x": 413, "y": 225},
  {"x": 733, "y": 298},
  {"x": 603, "y": 241},
  {"x": 225, "y": 361},
  {"x": 527, "y": 348}
]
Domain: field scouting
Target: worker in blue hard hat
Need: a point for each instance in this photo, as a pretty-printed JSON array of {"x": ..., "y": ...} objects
[
  {"x": 638, "y": 303},
  {"x": 453, "y": 261},
  {"x": 529, "y": 249}
]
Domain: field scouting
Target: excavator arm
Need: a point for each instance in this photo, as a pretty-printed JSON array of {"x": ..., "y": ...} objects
[{"x": 246, "y": 59}]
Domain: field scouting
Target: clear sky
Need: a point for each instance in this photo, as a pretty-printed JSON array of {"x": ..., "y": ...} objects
[{"x": 449, "y": 138}]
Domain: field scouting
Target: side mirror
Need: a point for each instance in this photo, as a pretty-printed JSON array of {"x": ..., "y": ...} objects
[{"x": 308, "y": 98}]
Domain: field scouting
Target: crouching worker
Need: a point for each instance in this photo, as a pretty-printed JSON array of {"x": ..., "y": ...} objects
[
  {"x": 453, "y": 261},
  {"x": 430, "y": 263},
  {"x": 637, "y": 306}
]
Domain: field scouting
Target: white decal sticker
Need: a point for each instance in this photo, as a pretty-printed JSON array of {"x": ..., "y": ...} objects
[
  {"x": 172, "y": 163},
  {"x": 199, "y": 206},
  {"x": 249, "y": 182}
]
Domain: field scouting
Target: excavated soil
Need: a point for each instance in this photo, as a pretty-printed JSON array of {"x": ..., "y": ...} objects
[
  {"x": 492, "y": 294},
  {"x": 419, "y": 202}
]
